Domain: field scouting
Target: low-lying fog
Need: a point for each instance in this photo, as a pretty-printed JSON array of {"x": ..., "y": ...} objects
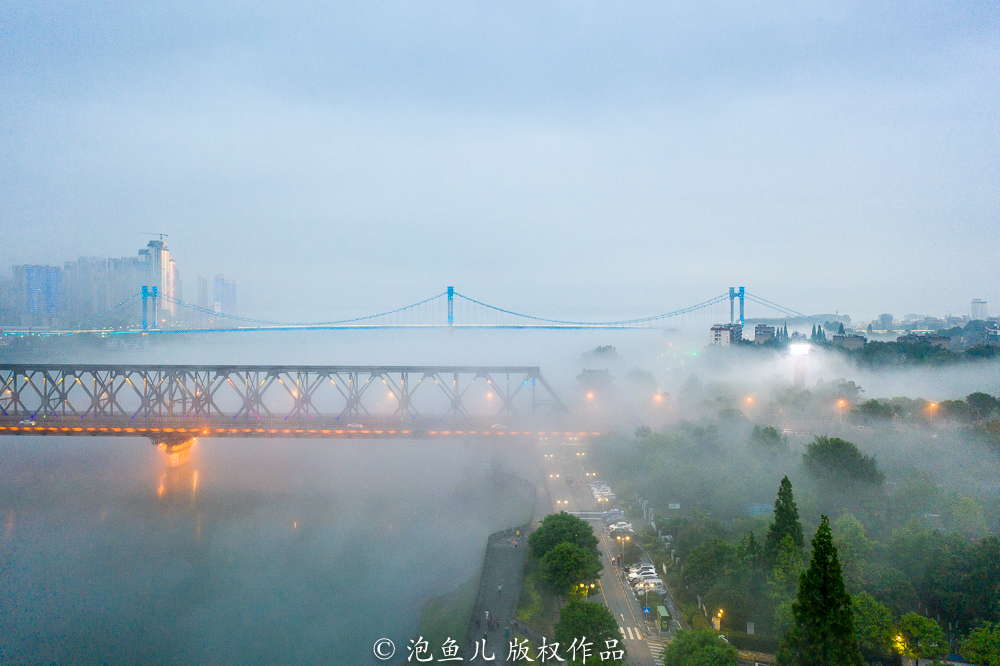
[
  {"x": 256, "y": 552},
  {"x": 307, "y": 551}
]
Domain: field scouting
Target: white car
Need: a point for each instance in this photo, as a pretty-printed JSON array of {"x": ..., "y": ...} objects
[
  {"x": 649, "y": 584},
  {"x": 642, "y": 575}
]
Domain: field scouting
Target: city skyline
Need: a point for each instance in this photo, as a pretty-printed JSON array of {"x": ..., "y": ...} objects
[{"x": 326, "y": 162}]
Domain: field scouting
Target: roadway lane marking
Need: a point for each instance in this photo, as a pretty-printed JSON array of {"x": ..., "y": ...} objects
[
  {"x": 630, "y": 633},
  {"x": 621, "y": 630}
]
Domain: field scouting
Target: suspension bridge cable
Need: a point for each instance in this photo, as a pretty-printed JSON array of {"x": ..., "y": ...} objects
[
  {"x": 125, "y": 303},
  {"x": 322, "y": 323},
  {"x": 622, "y": 322},
  {"x": 774, "y": 306}
]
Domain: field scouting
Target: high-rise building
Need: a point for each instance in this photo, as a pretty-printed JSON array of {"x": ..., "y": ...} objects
[
  {"x": 978, "y": 309},
  {"x": 202, "y": 292},
  {"x": 224, "y": 292}
]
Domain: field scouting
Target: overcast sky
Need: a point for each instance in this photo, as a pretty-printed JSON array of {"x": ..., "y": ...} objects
[{"x": 542, "y": 156}]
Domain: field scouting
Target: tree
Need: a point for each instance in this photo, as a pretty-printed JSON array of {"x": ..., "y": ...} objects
[
  {"x": 981, "y": 404},
  {"x": 559, "y": 527},
  {"x": 823, "y": 629},
  {"x": 768, "y": 437},
  {"x": 983, "y": 645},
  {"x": 567, "y": 566},
  {"x": 593, "y": 621},
  {"x": 699, "y": 648},
  {"x": 922, "y": 638},
  {"x": 786, "y": 522},
  {"x": 873, "y": 627},
  {"x": 838, "y": 461},
  {"x": 642, "y": 432},
  {"x": 840, "y": 330},
  {"x": 853, "y": 547},
  {"x": 706, "y": 564}
]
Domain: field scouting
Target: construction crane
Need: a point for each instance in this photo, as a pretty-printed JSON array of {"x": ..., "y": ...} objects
[{"x": 154, "y": 233}]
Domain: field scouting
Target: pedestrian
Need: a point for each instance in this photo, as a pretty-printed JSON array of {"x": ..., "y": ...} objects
[
  {"x": 499, "y": 590},
  {"x": 487, "y": 618}
]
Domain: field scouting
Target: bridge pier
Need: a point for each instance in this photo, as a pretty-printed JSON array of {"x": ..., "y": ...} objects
[{"x": 176, "y": 447}]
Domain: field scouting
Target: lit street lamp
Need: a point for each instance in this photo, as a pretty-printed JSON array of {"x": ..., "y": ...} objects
[{"x": 840, "y": 408}]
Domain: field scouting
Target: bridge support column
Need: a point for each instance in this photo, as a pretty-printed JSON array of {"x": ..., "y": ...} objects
[
  {"x": 451, "y": 306},
  {"x": 155, "y": 320},
  {"x": 177, "y": 448},
  {"x": 145, "y": 308}
]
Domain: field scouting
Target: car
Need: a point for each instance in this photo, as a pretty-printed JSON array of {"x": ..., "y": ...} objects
[
  {"x": 642, "y": 575},
  {"x": 26, "y": 422},
  {"x": 498, "y": 426},
  {"x": 641, "y": 566},
  {"x": 647, "y": 584},
  {"x": 354, "y": 426}
]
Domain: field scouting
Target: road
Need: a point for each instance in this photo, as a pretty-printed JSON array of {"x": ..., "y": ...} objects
[{"x": 568, "y": 476}]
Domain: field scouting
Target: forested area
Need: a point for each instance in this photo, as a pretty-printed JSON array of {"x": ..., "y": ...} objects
[{"x": 912, "y": 509}]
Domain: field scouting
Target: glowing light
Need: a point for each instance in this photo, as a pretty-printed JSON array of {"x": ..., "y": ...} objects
[
  {"x": 799, "y": 349},
  {"x": 720, "y": 612},
  {"x": 590, "y": 396}
]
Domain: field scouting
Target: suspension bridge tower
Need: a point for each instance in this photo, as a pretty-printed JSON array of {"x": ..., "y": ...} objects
[{"x": 733, "y": 293}]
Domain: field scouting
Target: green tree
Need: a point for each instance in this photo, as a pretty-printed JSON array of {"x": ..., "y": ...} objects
[
  {"x": 768, "y": 437},
  {"x": 922, "y": 637},
  {"x": 579, "y": 619},
  {"x": 559, "y": 527},
  {"x": 873, "y": 627},
  {"x": 838, "y": 461},
  {"x": 823, "y": 629},
  {"x": 853, "y": 547},
  {"x": 782, "y": 583},
  {"x": 567, "y": 567},
  {"x": 699, "y": 648},
  {"x": 981, "y": 404},
  {"x": 706, "y": 564},
  {"x": 786, "y": 522},
  {"x": 983, "y": 645}
]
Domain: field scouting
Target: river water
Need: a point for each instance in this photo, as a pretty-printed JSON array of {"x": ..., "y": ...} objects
[{"x": 256, "y": 552}]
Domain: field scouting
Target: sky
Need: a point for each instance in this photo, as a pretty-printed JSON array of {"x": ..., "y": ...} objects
[{"x": 541, "y": 156}]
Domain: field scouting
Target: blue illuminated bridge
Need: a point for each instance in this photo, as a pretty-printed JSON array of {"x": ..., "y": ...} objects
[
  {"x": 144, "y": 313},
  {"x": 174, "y": 404}
]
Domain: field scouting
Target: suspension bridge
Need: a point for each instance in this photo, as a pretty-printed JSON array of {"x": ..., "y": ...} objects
[{"x": 448, "y": 309}]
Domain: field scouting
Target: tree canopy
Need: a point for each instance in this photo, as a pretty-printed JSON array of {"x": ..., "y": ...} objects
[
  {"x": 823, "y": 629},
  {"x": 786, "y": 522},
  {"x": 838, "y": 461},
  {"x": 567, "y": 567},
  {"x": 983, "y": 645},
  {"x": 561, "y": 527},
  {"x": 699, "y": 648},
  {"x": 593, "y": 621}
]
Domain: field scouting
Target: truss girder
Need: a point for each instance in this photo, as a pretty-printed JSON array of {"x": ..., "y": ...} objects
[{"x": 211, "y": 394}]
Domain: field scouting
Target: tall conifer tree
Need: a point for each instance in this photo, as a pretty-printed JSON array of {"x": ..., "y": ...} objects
[
  {"x": 823, "y": 632},
  {"x": 786, "y": 522}
]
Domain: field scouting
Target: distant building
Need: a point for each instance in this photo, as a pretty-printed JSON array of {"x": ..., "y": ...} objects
[
  {"x": 978, "y": 310},
  {"x": 942, "y": 341},
  {"x": 849, "y": 340},
  {"x": 224, "y": 292},
  {"x": 762, "y": 333},
  {"x": 726, "y": 334},
  {"x": 202, "y": 292}
]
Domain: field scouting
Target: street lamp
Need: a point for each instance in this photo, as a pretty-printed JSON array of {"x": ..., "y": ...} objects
[
  {"x": 621, "y": 543},
  {"x": 932, "y": 408},
  {"x": 840, "y": 408},
  {"x": 749, "y": 401}
]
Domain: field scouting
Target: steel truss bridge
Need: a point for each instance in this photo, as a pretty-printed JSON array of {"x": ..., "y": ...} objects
[
  {"x": 449, "y": 309},
  {"x": 173, "y": 404}
]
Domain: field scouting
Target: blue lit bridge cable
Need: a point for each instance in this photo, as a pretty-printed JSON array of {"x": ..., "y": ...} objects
[
  {"x": 134, "y": 299},
  {"x": 412, "y": 308},
  {"x": 776, "y": 307},
  {"x": 618, "y": 323}
]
